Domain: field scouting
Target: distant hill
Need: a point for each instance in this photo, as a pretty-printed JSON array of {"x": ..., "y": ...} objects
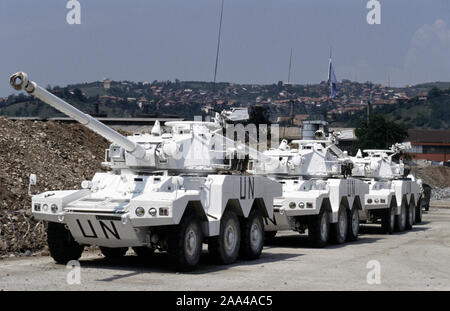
[
  {"x": 420, "y": 106},
  {"x": 431, "y": 111},
  {"x": 430, "y": 85}
]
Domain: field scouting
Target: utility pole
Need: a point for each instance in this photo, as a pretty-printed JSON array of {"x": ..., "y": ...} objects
[
  {"x": 218, "y": 47},
  {"x": 290, "y": 65},
  {"x": 369, "y": 104}
]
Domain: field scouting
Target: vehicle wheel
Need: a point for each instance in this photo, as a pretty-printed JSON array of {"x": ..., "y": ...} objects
[
  {"x": 252, "y": 236},
  {"x": 113, "y": 252},
  {"x": 401, "y": 219},
  {"x": 185, "y": 243},
  {"x": 144, "y": 251},
  {"x": 410, "y": 215},
  {"x": 225, "y": 248},
  {"x": 388, "y": 220},
  {"x": 353, "y": 228},
  {"x": 319, "y": 229},
  {"x": 339, "y": 230},
  {"x": 61, "y": 244},
  {"x": 419, "y": 212}
]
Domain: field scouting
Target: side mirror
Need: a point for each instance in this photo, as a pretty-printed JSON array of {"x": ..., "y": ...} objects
[{"x": 33, "y": 182}]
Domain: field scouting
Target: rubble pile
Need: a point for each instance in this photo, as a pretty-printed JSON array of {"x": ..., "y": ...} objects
[
  {"x": 61, "y": 155},
  {"x": 438, "y": 177},
  {"x": 440, "y": 193}
]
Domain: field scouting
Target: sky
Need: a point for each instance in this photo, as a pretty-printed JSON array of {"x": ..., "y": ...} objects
[{"x": 146, "y": 40}]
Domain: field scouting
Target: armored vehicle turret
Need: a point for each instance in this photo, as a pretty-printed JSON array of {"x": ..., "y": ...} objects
[
  {"x": 164, "y": 191},
  {"x": 318, "y": 194},
  {"x": 394, "y": 197}
]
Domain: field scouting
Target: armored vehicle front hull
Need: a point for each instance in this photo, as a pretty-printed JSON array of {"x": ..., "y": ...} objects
[
  {"x": 304, "y": 202},
  {"x": 393, "y": 203},
  {"x": 132, "y": 210}
]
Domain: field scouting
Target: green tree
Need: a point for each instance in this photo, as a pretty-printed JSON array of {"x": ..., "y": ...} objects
[
  {"x": 379, "y": 133},
  {"x": 434, "y": 92}
]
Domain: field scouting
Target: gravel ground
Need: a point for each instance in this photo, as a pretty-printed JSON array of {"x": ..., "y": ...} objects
[{"x": 412, "y": 260}]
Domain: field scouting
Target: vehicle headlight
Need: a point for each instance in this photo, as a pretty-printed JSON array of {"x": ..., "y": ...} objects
[
  {"x": 45, "y": 207},
  {"x": 37, "y": 207},
  {"x": 301, "y": 205},
  {"x": 54, "y": 208},
  {"x": 152, "y": 211},
  {"x": 163, "y": 211},
  {"x": 377, "y": 201},
  {"x": 369, "y": 201},
  {"x": 139, "y": 211},
  {"x": 292, "y": 205}
]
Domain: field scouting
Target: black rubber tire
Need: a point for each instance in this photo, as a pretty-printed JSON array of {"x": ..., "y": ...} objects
[
  {"x": 143, "y": 251},
  {"x": 252, "y": 236},
  {"x": 353, "y": 225},
  {"x": 217, "y": 245},
  {"x": 388, "y": 219},
  {"x": 410, "y": 216},
  {"x": 316, "y": 225},
  {"x": 400, "y": 220},
  {"x": 419, "y": 212},
  {"x": 178, "y": 250},
  {"x": 61, "y": 244},
  {"x": 113, "y": 252},
  {"x": 339, "y": 230}
]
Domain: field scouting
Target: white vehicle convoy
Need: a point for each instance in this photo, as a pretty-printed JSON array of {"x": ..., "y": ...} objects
[
  {"x": 164, "y": 191},
  {"x": 393, "y": 196},
  {"x": 318, "y": 195}
]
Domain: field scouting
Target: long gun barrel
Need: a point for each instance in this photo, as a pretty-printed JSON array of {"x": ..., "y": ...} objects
[{"x": 19, "y": 81}]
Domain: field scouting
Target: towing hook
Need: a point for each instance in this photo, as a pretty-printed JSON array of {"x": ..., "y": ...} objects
[{"x": 19, "y": 81}]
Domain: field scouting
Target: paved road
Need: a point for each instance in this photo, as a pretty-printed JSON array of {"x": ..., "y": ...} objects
[{"x": 413, "y": 260}]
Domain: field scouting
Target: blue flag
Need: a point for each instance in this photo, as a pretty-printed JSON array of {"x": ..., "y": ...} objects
[{"x": 332, "y": 81}]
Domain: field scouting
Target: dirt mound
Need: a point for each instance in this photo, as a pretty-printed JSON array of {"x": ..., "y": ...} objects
[
  {"x": 61, "y": 155},
  {"x": 435, "y": 176}
]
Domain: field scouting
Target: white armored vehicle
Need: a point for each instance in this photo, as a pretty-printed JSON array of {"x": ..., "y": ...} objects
[
  {"x": 318, "y": 195},
  {"x": 393, "y": 197},
  {"x": 171, "y": 192}
]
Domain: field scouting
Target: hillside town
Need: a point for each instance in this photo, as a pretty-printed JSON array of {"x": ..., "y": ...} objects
[{"x": 288, "y": 103}]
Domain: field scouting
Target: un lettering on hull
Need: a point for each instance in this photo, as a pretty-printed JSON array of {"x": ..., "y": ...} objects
[
  {"x": 88, "y": 229},
  {"x": 247, "y": 187}
]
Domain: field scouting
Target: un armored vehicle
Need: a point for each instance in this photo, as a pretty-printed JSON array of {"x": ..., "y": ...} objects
[
  {"x": 318, "y": 196},
  {"x": 164, "y": 191},
  {"x": 394, "y": 196}
]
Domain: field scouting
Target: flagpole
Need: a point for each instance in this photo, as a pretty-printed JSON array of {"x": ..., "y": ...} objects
[
  {"x": 329, "y": 66},
  {"x": 329, "y": 80}
]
